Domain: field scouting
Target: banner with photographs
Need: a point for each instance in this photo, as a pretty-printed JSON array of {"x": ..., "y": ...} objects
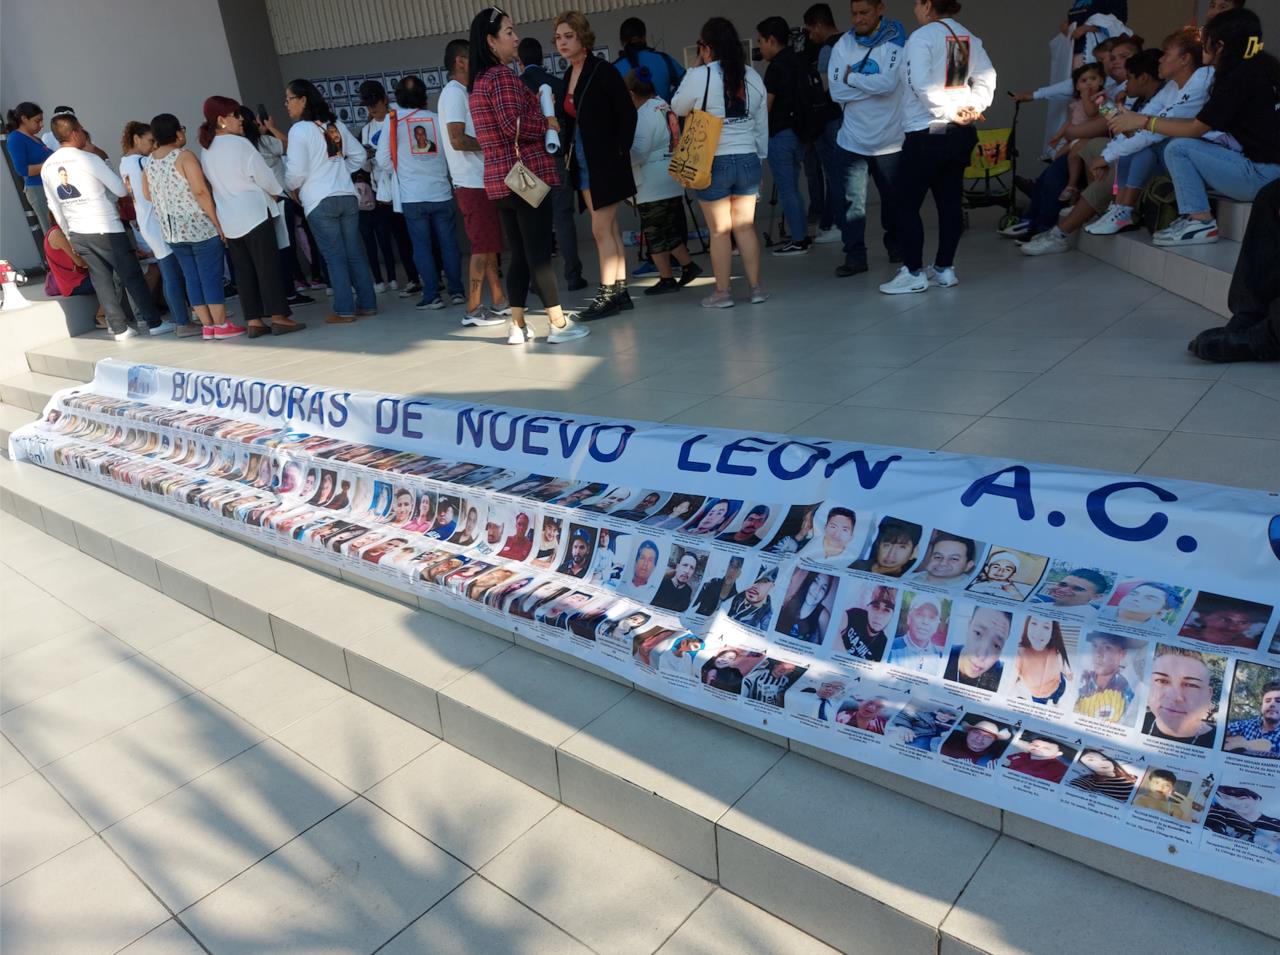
[{"x": 1095, "y": 651}]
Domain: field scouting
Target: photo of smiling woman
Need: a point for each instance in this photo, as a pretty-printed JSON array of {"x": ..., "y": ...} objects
[
  {"x": 1182, "y": 703},
  {"x": 1042, "y": 666}
]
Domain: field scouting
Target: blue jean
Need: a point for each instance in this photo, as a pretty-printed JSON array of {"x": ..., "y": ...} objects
[
  {"x": 335, "y": 222},
  {"x": 734, "y": 174},
  {"x": 786, "y": 160},
  {"x": 175, "y": 292},
  {"x": 1197, "y": 165},
  {"x": 1133, "y": 171},
  {"x": 1042, "y": 211},
  {"x": 434, "y": 219},
  {"x": 852, "y": 195},
  {"x": 829, "y": 157},
  {"x": 201, "y": 264}
]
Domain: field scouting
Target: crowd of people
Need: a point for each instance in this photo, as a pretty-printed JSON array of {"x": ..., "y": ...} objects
[{"x": 320, "y": 207}]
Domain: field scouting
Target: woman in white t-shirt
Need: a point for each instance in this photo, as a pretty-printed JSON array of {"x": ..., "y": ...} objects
[
  {"x": 659, "y": 198},
  {"x": 246, "y": 193},
  {"x": 949, "y": 82},
  {"x": 321, "y": 156},
  {"x": 725, "y": 86},
  {"x": 136, "y": 144}
]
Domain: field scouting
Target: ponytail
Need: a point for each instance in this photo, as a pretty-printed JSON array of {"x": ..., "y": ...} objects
[{"x": 132, "y": 130}]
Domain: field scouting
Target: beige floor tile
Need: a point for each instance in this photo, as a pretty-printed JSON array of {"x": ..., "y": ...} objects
[
  {"x": 650, "y": 403},
  {"x": 612, "y": 894},
  {"x": 812, "y": 380},
  {"x": 952, "y": 391},
  {"x": 207, "y": 654},
  {"x": 347, "y": 884},
  {"x": 119, "y": 774},
  {"x": 748, "y": 414},
  {"x": 1234, "y": 409},
  {"x": 478, "y": 917},
  {"x": 466, "y": 807},
  {"x": 191, "y": 841},
  {"x": 12, "y": 763},
  {"x": 1116, "y": 400},
  {"x": 1058, "y": 442},
  {"x": 84, "y": 902},
  {"x": 167, "y": 939},
  {"x": 1255, "y": 462},
  {"x": 152, "y": 621},
  {"x": 355, "y": 742},
  {"x": 888, "y": 426},
  {"x": 41, "y": 622},
  {"x": 35, "y": 825},
  {"x": 273, "y": 693},
  {"x": 726, "y": 925}
]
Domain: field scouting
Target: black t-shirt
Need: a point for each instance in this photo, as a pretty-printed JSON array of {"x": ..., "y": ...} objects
[
  {"x": 1243, "y": 104},
  {"x": 782, "y": 79}
]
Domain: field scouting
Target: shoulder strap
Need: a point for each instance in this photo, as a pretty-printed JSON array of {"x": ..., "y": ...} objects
[
  {"x": 393, "y": 128},
  {"x": 706, "y": 92}
]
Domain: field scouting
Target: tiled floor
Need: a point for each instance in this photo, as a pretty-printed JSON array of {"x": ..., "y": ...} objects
[
  {"x": 180, "y": 782},
  {"x": 1061, "y": 359}
]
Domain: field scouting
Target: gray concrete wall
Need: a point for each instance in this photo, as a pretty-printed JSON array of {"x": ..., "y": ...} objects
[{"x": 253, "y": 55}]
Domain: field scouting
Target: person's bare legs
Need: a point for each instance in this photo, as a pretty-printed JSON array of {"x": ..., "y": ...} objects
[
  {"x": 681, "y": 253},
  {"x": 475, "y": 280},
  {"x": 491, "y": 275},
  {"x": 608, "y": 239},
  {"x": 743, "y": 219},
  {"x": 719, "y": 219},
  {"x": 1074, "y": 220},
  {"x": 517, "y": 316},
  {"x": 218, "y": 313},
  {"x": 662, "y": 262}
]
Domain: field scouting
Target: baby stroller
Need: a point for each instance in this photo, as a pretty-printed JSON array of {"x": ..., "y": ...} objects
[{"x": 989, "y": 177}]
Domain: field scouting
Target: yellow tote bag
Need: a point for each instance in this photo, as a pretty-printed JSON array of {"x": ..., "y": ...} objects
[{"x": 691, "y": 162}]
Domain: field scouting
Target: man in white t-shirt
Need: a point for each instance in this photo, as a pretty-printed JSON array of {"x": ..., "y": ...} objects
[
  {"x": 466, "y": 168},
  {"x": 410, "y": 154},
  {"x": 82, "y": 191}
]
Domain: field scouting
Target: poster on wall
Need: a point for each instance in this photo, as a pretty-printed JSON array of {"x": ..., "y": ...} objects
[{"x": 1098, "y": 652}]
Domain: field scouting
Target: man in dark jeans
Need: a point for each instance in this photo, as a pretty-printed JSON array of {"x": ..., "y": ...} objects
[
  {"x": 1253, "y": 333},
  {"x": 562, "y": 198},
  {"x": 82, "y": 192}
]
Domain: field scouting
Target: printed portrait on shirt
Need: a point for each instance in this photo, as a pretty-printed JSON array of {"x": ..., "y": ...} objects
[
  {"x": 958, "y": 54},
  {"x": 422, "y": 136}
]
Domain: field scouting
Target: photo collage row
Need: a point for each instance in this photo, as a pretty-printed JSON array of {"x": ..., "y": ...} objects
[{"x": 1106, "y": 692}]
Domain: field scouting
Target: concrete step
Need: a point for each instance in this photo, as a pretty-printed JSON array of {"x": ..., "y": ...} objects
[
  {"x": 12, "y": 417},
  {"x": 72, "y": 358},
  {"x": 1200, "y": 274},
  {"x": 45, "y": 320},
  {"x": 865, "y": 860},
  {"x": 32, "y": 390},
  {"x": 1233, "y": 217}
]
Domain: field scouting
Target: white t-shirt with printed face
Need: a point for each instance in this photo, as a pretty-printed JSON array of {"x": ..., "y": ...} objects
[
  {"x": 82, "y": 191},
  {"x": 466, "y": 169}
]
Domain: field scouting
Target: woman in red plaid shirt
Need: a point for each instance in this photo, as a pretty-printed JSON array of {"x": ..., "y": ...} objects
[{"x": 504, "y": 109}]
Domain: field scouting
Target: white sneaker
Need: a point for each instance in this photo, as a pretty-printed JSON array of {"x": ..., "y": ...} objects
[
  {"x": 516, "y": 335},
  {"x": 941, "y": 278},
  {"x": 1046, "y": 243},
  {"x": 126, "y": 334},
  {"x": 393, "y": 285},
  {"x": 329, "y": 291},
  {"x": 164, "y": 328},
  {"x": 827, "y": 236},
  {"x": 1187, "y": 231},
  {"x": 482, "y": 317},
  {"x": 566, "y": 332},
  {"x": 379, "y": 287},
  {"x": 1116, "y": 219},
  {"x": 502, "y": 309},
  {"x": 1015, "y": 231},
  {"x": 906, "y": 282}
]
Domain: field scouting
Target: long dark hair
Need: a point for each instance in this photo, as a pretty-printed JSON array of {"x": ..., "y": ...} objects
[
  {"x": 1240, "y": 33},
  {"x": 484, "y": 24},
  {"x": 24, "y": 110},
  {"x": 252, "y": 131},
  {"x": 315, "y": 107},
  {"x": 721, "y": 38},
  {"x": 1056, "y": 643}
]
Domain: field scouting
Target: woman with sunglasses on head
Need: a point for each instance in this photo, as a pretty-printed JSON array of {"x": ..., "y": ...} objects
[
  {"x": 725, "y": 86},
  {"x": 320, "y": 158},
  {"x": 510, "y": 128},
  {"x": 245, "y": 190}
]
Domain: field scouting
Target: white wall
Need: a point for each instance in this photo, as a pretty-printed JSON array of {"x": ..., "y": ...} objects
[{"x": 113, "y": 61}]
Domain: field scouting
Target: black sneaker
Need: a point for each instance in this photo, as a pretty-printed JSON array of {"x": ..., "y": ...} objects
[
  {"x": 793, "y": 248},
  {"x": 850, "y": 268},
  {"x": 689, "y": 273},
  {"x": 602, "y": 306},
  {"x": 297, "y": 298},
  {"x": 664, "y": 287}
]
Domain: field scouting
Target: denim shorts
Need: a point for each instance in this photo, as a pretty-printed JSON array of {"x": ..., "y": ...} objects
[
  {"x": 737, "y": 174},
  {"x": 580, "y": 157}
]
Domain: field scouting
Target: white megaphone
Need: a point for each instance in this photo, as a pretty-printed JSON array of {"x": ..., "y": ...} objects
[{"x": 13, "y": 299}]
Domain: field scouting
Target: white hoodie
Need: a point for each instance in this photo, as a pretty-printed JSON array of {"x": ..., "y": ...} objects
[
  {"x": 928, "y": 99},
  {"x": 870, "y": 93},
  {"x": 1170, "y": 103}
]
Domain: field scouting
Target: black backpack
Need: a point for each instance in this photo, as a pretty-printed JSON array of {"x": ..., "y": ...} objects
[{"x": 813, "y": 106}]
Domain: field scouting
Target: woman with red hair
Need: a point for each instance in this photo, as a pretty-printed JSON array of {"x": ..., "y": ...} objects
[{"x": 246, "y": 193}]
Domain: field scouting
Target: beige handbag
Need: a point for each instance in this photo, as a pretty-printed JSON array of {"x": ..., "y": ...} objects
[{"x": 523, "y": 182}]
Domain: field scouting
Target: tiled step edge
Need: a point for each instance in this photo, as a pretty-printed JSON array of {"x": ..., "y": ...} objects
[
  {"x": 1200, "y": 275},
  {"x": 32, "y": 390},
  {"x": 861, "y": 858},
  {"x": 12, "y": 417}
]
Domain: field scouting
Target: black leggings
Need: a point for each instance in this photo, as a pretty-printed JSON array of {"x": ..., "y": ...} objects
[
  {"x": 529, "y": 236},
  {"x": 259, "y": 278},
  {"x": 933, "y": 163}
]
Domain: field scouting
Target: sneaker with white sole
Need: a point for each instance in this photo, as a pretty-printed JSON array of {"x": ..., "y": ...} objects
[
  {"x": 457, "y": 298},
  {"x": 567, "y": 332},
  {"x": 481, "y": 317},
  {"x": 1015, "y": 231},
  {"x": 519, "y": 336},
  {"x": 228, "y": 330},
  {"x": 827, "y": 236},
  {"x": 941, "y": 278},
  {"x": 393, "y": 285},
  {"x": 434, "y": 305},
  {"x": 1187, "y": 231},
  {"x": 410, "y": 290},
  {"x": 125, "y": 335},
  {"x": 164, "y": 328},
  {"x": 906, "y": 282},
  {"x": 502, "y": 309},
  {"x": 718, "y": 299},
  {"x": 1116, "y": 219},
  {"x": 793, "y": 248},
  {"x": 1052, "y": 242},
  {"x": 758, "y": 295},
  {"x": 379, "y": 287}
]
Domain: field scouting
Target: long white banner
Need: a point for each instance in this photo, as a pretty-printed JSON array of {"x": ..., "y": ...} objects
[{"x": 1095, "y": 651}]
